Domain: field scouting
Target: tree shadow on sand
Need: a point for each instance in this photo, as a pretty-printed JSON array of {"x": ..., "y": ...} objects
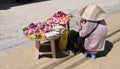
[
  {"x": 108, "y": 48},
  {"x": 8, "y": 5}
]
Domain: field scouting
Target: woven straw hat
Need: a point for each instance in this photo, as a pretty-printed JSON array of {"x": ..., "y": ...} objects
[{"x": 93, "y": 13}]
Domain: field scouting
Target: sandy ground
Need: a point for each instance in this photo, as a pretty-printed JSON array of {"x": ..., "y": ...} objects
[
  {"x": 17, "y": 52},
  {"x": 14, "y": 16}
]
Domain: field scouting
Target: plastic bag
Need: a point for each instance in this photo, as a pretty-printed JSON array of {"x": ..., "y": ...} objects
[
  {"x": 63, "y": 40},
  {"x": 76, "y": 46}
]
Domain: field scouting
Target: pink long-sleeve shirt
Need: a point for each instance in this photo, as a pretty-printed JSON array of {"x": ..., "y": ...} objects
[{"x": 96, "y": 40}]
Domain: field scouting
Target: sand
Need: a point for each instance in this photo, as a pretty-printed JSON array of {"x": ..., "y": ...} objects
[{"x": 14, "y": 16}]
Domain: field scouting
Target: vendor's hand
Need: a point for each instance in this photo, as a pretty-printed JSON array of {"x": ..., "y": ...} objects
[
  {"x": 77, "y": 22},
  {"x": 83, "y": 21}
]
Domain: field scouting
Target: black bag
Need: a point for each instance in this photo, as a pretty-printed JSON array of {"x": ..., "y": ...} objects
[{"x": 80, "y": 41}]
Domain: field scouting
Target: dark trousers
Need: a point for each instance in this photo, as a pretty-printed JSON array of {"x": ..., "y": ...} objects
[{"x": 73, "y": 37}]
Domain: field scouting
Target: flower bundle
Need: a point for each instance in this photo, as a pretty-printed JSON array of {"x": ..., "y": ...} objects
[
  {"x": 47, "y": 29},
  {"x": 43, "y": 30},
  {"x": 59, "y": 18}
]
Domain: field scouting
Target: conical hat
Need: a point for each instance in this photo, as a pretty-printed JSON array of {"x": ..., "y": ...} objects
[{"x": 93, "y": 13}]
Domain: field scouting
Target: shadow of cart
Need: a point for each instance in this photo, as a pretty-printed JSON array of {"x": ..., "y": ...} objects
[{"x": 47, "y": 48}]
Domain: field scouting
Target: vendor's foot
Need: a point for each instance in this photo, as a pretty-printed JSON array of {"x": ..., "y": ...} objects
[
  {"x": 85, "y": 54},
  {"x": 93, "y": 56},
  {"x": 68, "y": 52}
]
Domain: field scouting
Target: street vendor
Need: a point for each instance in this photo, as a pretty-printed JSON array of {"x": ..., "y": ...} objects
[{"x": 93, "y": 27}]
